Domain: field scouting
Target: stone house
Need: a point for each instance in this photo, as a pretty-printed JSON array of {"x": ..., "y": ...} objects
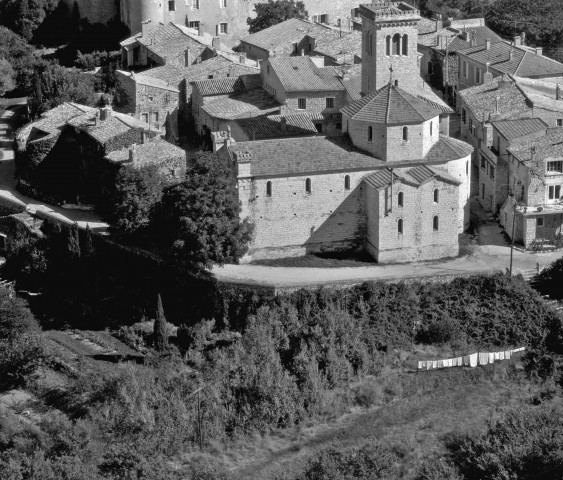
[
  {"x": 506, "y": 97},
  {"x": 502, "y": 58},
  {"x": 535, "y": 209}
]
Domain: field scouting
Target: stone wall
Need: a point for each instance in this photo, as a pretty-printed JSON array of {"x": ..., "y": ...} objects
[{"x": 95, "y": 11}]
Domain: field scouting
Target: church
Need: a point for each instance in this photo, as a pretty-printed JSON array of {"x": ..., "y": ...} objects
[{"x": 389, "y": 180}]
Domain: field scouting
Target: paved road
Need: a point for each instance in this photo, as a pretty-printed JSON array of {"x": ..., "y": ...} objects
[
  {"x": 8, "y": 186},
  {"x": 491, "y": 254}
]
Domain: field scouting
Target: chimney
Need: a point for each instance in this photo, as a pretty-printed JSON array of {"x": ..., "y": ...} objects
[
  {"x": 242, "y": 58},
  {"x": 523, "y": 38},
  {"x": 488, "y": 44},
  {"x": 105, "y": 113},
  {"x": 511, "y": 55},
  {"x": 439, "y": 22},
  {"x": 488, "y": 76},
  {"x": 558, "y": 92},
  {"x": 216, "y": 42},
  {"x": 517, "y": 40},
  {"x": 145, "y": 27},
  {"x": 302, "y": 52},
  {"x": 200, "y": 30},
  {"x": 539, "y": 51},
  {"x": 473, "y": 42},
  {"x": 283, "y": 124},
  {"x": 187, "y": 59},
  {"x": 133, "y": 154},
  {"x": 497, "y": 104},
  {"x": 97, "y": 119},
  {"x": 144, "y": 137},
  {"x": 228, "y": 132}
]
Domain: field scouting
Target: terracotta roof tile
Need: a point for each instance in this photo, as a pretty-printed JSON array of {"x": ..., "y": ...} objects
[
  {"x": 342, "y": 48},
  {"x": 520, "y": 127},
  {"x": 220, "y": 86},
  {"x": 154, "y": 151},
  {"x": 391, "y": 105},
  {"x": 300, "y": 74},
  {"x": 548, "y": 147},
  {"x": 260, "y": 128},
  {"x": 250, "y": 103}
]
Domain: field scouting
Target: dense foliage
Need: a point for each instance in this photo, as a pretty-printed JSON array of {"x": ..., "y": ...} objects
[
  {"x": 7, "y": 77},
  {"x": 21, "y": 347},
  {"x": 198, "y": 220},
  {"x": 550, "y": 281},
  {"x": 25, "y": 16},
  {"x": 275, "y": 11}
]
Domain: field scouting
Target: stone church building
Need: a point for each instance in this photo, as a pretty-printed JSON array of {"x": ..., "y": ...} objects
[{"x": 390, "y": 182}]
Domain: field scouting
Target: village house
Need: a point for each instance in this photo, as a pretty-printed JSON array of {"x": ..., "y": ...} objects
[
  {"x": 75, "y": 159},
  {"x": 161, "y": 97},
  {"x": 534, "y": 210},
  {"x": 506, "y": 97},
  {"x": 503, "y": 58},
  {"x": 390, "y": 182}
]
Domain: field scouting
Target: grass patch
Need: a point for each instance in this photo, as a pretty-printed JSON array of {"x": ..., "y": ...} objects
[{"x": 322, "y": 260}]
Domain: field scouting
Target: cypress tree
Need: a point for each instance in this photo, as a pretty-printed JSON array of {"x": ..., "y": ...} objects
[
  {"x": 88, "y": 246},
  {"x": 160, "y": 335},
  {"x": 73, "y": 245}
]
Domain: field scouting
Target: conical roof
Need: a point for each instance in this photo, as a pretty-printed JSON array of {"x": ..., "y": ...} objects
[{"x": 390, "y": 105}]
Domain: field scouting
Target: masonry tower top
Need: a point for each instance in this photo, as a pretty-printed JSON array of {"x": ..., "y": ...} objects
[{"x": 389, "y": 44}]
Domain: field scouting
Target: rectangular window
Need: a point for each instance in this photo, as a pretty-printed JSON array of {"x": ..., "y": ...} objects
[
  {"x": 470, "y": 126},
  {"x": 172, "y": 6},
  {"x": 195, "y": 5},
  {"x": 223, "y": 3},
  {"x": 463, "y": 116},
  {"x": 323, "y": 18},
  {"x": 560, "y": 122},
  {"x": 492, "y": 172},
  {"x": 193, "y": 25},
  {"x": 539, "y": 222},
  {"x": 477, "y": 75},
  {"x": 223, "y": 28},
  {"x": 145, "y": 117},
  {"x": 155, "y": 117},
  {"x": 556, "y": 166},
  {"x": 330, "y": 102},
  {"x": 301, "y": 103},
  {"x": 554, "y": 192}
]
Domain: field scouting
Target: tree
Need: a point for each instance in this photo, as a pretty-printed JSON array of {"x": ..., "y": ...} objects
[
  {"x": 7, "y": 76},
  {"x": 25, "y": 16},
  {"x": 274, "y": 12},
  {"x": 160, "y": 333},
  {"x": 549, "y": 281},
  {"x": 198, "y": 221},
  {"x": 137, "y": 192}
]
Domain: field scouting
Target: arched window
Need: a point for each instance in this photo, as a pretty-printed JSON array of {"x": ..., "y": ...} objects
[
  {"x": 347, "y": 182},
  {"x": 269, "y": 189},
  {"x": 436, "y": 195},
  {"x": 400, "y": 226},
  {"x": 388, "y": 45},
  {"x": 430, "y": 128},
  {"x": 308, "y": 185},
  {"x": 370, "y": 133},
  {"x": 396, "y": 44},
  {"x": 405, "y": 44},
  {"x": 435, "y": 223},
  {"x": 400, "y": 199},
  {"x": 405, "y": 134}
]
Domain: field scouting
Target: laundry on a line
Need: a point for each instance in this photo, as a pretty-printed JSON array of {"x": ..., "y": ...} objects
[{"x": 482, "y": 358}]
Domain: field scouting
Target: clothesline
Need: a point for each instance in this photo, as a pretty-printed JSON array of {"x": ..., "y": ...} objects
[{"x": 482, "y": 358}]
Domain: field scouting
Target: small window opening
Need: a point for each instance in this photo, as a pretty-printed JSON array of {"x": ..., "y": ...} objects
[
  {"x": 269, "y": 189},
  {"x": 436, "y": 195},
  {"x": 400, "y": 226},
  {"x": 308, "y": 185},
  {"x": 347, "y": 182},
  {"x": 435, "y": 223},
  {"x": 405, "y": 134}
]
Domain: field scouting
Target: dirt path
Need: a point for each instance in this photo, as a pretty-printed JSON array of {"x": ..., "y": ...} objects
[{"x": 420, "y": 423}]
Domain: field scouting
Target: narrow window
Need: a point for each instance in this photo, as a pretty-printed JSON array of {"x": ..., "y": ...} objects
[
  {"x": 301, "y": 103},
  {"x": 436, "y": 195},
  {"x": 467, "y": 168},
  {"x": 396, "y": 44},
  {"x": 172, "y": 6},
  {"x": 370, "y": 133},
  {"x": 430, "y": 67},
  {"x": 269, "y": 189},
  {"x": 308, "y": 185},
  {"x": 347, "y": 182},
  {"x": 560, "y": 122},
  {"x": 223, "y": 3},
  {"x": 371, "y": 44},
  {"x": 463, "y": 116},
  {"x": 400, "y": 199},
  {"x": 430, "y": 128},
  {"x": 195, "y": 5},
  {"x": 145, "y": 117},
  {"x": 539, "y": 222},
  {"x": 405, "y": 134},
  {"x": 388, "y": 45},
  {"x": 435, "y": 224},
  {"x": 405, "y": 44},
  {"x": 400, "y": 226}
]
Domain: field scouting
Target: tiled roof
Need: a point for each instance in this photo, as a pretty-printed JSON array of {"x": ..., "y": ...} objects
[
  {"x": 415, "y": 176},
  {"x": 542, "y": 93},
  {"x": 481, "y": 100},
  {"x": 431, "y": 39},
  {"x": 220, "y": 86},
  {"x": 284, "y": 33},
  {"x": 300, "y": 74},
  {"x": 523, "y": 63},
  {"x": 301, "y": 155},
  {"x": 342, "y": 48},
  {"x": 548, "y": 147},
  {"x": 250, "y": 103},
  {"x": 260, "y": 128},
  {"x": 521, "y": 127},
  {"x": 143, "y": 79},
  {"x": 455, "y": 39},
  {"x": 156, "y": 150},
  {"x": 116, "y": 124},
  {"x": 390, "y": 105},
  {"x": 167, "y": 40},
  {"x": 353, "y": 87},
  {"x": 52, "y": 121}
]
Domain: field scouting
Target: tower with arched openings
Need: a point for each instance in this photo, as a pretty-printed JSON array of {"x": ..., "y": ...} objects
[{"x": 389, "y": 44}]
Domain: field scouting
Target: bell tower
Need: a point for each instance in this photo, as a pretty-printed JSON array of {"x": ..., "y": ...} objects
[{"x": 389, "y": 44}]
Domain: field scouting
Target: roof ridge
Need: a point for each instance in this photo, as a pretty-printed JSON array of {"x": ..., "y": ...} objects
[{"x": 390, "y": 86}]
